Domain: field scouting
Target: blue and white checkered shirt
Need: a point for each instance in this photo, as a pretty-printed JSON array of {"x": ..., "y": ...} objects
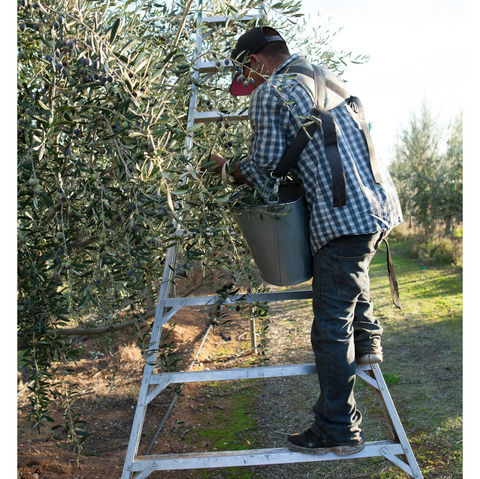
[{"x": 275, "y": 112}]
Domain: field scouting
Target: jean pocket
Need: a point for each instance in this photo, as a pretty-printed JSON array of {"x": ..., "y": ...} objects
[{"x": 350, "y": 274}]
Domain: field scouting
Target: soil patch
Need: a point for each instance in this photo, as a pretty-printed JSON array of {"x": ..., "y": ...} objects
[{"x": 108, "y": 384}]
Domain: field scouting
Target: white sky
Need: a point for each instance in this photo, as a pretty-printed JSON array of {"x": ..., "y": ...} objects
[{"x": 416, "y": 49}]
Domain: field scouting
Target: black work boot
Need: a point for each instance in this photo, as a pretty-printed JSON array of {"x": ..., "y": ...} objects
[{"x": 309, "y": 443}]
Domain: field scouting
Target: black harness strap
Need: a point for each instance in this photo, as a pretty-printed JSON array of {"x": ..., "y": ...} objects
[
  {"x": 291, "y": 155},
  {"x": 334, "y": 158},
  {"x": 331, "y": 149},
  {"x": 392, "y": 278},
  {"x": 305, "y": 133},
  {"x": 357, "y": 106}
]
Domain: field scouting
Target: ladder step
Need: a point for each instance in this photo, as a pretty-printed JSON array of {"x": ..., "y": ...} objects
[
  {"x": 254, "y": 457},
  {"x": 232, "y": 374},
  {"x": 256, "y": 372},
  {"x": 212, "y": 116},
  {"x": 211, "y": 67},
  {"x": 249, "y": 298},
  {"x": 219, "y": 20}
]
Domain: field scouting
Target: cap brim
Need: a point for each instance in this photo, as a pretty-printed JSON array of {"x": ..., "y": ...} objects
[{"x": 238, "y": 89}]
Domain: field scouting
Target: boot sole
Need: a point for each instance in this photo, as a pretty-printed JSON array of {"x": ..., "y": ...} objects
[
  {"x": 369, "y": 360},
  {"x": 340, "y": 450}
]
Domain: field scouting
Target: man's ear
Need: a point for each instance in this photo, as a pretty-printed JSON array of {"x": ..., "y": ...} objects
[{"x": 255, "y": 62}]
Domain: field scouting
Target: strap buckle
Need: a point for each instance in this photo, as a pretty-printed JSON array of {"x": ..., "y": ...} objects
[
  {"x": 315, "y": 116},
  {"x": 354, "y": 106}
]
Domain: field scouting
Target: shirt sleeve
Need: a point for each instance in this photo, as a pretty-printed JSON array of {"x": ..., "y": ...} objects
[{"x": 268, "y": 118}]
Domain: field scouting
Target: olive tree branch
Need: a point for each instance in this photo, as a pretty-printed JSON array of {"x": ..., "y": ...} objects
[{"x": 126, "y": 324}]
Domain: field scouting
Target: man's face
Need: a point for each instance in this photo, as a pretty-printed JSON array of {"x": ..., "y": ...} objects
[{"x": 256, "y": 69}]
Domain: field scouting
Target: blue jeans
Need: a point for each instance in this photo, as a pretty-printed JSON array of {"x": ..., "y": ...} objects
[{"x": 343, "y": 326}]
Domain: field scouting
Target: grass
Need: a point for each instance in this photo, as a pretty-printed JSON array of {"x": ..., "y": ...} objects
[
  {"x": 423, "y": 352},
  {"x": 240, "y": 425},
  {"x": 225, "y": 421}
]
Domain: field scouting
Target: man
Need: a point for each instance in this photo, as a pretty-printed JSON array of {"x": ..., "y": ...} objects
[{"x": 343, "y": 238}]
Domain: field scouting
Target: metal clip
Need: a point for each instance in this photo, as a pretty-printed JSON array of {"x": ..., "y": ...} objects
[{"x": 274, "y": 193}]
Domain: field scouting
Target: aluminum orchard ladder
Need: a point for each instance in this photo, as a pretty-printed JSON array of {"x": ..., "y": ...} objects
[{"x": 397, "y": 450}]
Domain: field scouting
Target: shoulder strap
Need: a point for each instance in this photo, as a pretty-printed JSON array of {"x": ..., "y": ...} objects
[
  {"x": 357, "y": 105},
  {"x": 330, "y": 143},
  {"x": 321, "y": 116},
  {"x": 305, "y": 75},
  {"x": 301, "y": 68}
]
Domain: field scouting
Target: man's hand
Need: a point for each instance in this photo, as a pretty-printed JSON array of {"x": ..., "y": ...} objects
[{"x": 219, "y": 162}]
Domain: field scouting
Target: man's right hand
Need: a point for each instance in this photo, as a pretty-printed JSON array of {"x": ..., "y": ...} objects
[{"x": 219, "y": 162}]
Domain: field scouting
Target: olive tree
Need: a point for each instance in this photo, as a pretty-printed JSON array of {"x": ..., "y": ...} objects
[
  {"x": 106, "y": 175},
  {"x": 429, "y": 180},
  {"x": 449, "y": 195}
]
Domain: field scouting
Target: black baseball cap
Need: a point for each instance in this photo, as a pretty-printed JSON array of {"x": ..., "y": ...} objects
[{"x": 249, "y": 43}]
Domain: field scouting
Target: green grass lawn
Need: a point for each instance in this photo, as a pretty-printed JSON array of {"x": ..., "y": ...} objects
[{"x": 423, "y": 349}]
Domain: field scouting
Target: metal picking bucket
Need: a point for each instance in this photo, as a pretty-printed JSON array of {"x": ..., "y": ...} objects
[{"x": 280, "y": 243}]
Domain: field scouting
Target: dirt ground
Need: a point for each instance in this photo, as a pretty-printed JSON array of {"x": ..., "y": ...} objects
[{"x": 107, "y": 396}]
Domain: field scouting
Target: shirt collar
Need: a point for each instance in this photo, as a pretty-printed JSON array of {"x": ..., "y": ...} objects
[{"x": 287, "y": 62}]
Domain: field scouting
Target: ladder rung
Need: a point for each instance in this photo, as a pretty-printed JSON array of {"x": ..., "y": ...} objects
[
  {"x": 249, "y": 298},
  {"x": 211, "y": 67},
  {"x": 254, "y": 457},
  {"x": 238, "y": 373},
  {"x": 218, "y": 20},
  {"x": 206, "y": 67},
  {"x": 212, "y": 116},
  {"x": 255, "y": 372}
]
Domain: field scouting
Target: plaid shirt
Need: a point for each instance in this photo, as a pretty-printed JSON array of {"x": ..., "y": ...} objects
[{"x": 275, "y": 112}]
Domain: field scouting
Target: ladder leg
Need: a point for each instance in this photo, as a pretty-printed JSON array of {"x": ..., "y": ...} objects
[
  {"x": 253, "y": 335},
  {"x": 383, "y": 404},
  {"x": 146, "y": 472},
  {"x": 395, "y": 424},
  {"x": 150, "y": 363},
  {"x": 135, "y": 435}
]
